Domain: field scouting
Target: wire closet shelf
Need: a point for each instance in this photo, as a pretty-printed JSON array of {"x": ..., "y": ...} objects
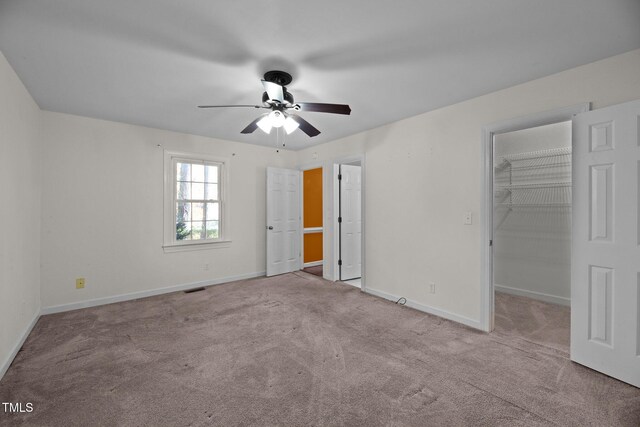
[{"x": 536, "y": 179}]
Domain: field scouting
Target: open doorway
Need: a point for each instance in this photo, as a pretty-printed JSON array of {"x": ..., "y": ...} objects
[
  {"x": 526, "y": 201},
  {"x": 532, "y": 233},
  {"x": 349, "y": 227},
  {"x": 313, "y": 231},
  {"x": 332, "y": 219}
]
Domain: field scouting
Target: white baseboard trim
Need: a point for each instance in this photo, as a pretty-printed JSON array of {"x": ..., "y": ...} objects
[
  {"x": 532, "y": 294},
  {"x": 312, "y": 264},
  {"x": 16, "y": 348},
  {"x": 427, "y": 309},
  {"x": 143, "y": 294}
]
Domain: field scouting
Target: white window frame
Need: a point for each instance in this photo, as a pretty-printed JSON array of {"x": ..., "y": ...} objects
[{"x": 170, "y": 242}]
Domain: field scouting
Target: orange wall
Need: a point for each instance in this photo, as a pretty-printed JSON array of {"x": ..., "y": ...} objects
[
  {"x": 313, "y": 247},
  {"x": 312, "y": 191},
  {"x": 313, "y": 198}
]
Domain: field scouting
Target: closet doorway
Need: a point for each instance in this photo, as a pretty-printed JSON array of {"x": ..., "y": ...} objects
[
  {"x": 532, "y": 233},
  {"x": 526, "y": 225},
  {"x": 603, "y": 141}
]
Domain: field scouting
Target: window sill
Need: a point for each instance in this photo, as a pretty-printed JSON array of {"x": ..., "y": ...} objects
[{"x": 182, "y": 247}]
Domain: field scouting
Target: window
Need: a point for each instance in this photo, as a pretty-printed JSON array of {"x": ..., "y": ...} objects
[{"x": 195, "y": 205}]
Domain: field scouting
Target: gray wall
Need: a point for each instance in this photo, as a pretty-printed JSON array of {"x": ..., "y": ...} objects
[{"x": 20, "y": 191}]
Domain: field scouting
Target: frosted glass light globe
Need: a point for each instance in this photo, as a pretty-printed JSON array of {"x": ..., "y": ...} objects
[{"x": 277, "y": 118}]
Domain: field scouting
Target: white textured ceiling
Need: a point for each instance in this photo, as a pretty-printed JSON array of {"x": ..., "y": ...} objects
[{"x": 151, "y": 62}]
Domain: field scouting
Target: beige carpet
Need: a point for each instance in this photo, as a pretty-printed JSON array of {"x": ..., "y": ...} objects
[
  {"x": 527, "y": 319},
  {"x": 316, "y": 270},
  {"x": 297, "y": 350}
]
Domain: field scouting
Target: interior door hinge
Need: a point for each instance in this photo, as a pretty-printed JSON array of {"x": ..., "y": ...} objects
[
  {"x": 339, "y": 262},
  {"x": 490, "y": 242},
  {"x": 339, "y": 219},
  {"x": 339, "y": 177}
]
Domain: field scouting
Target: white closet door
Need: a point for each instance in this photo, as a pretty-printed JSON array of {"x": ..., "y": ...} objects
[
  {"x": 351, "y": 225},
  {"x": 283, "y": 221},
  {"x": 605, "y": 265}
]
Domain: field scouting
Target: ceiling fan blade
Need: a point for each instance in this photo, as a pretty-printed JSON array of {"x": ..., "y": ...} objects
[
  {"x": 253, "y": 125},
  {"x": 324, "y": 108},
  {"x": 227, "y": 106},
  {"x": 274, "y": 91},
  {"x": 305, "y": 126}
]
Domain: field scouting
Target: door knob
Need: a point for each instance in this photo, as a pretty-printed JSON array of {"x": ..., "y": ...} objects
[{"x": 270, "y": 227}]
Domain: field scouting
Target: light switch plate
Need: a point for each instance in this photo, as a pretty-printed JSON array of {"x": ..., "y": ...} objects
[{"x": 468, "y": 218}]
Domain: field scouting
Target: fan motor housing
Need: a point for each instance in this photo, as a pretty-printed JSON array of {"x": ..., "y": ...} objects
[
  {"x": 287, "y": 96},
  {"x": 279, "y": 77}
]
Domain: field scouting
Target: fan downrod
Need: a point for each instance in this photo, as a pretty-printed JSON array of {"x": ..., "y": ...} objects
[{"x": 279, "y": 77}]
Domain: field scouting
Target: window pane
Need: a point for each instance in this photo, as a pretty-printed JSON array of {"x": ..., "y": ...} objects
[
  {"x": 183, "y": 230},
  {"x": 183, "y": 212},
  {"x": 212, "y": 192},
  {"x": 183, "y": 190},
  {"x": 212, "y": 230},
  {"x": 213, "y": 211},
  {"x": 197, "y": 173},
  {"x": 197, "y": 231},
  {"x": 197, "y": 191},
  {"x": 197, "y": 204},
  {"x": 183, "y": 171},
  {"x": 198, "y": 212},
  {"x": 212, "y": 173}
]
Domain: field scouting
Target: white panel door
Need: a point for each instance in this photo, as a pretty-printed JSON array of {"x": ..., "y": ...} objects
[
  {"x": 605, "y": 265},
  {"x": 283, "y": 221},
  {"x": 351, "y": 222}
]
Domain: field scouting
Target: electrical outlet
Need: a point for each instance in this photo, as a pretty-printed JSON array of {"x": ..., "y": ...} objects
[
  {"x": 468, "y": 218},
  {"x": 80, "y": 283},
  {"x": 432, "y": 288}
]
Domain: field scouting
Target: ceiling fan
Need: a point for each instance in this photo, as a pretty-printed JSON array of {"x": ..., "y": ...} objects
[{"x": 280, "y": 101}]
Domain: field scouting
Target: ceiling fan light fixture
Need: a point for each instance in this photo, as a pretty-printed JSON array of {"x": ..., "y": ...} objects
[
  {"x": 290, "y": 125},
  {"x": 265, "y": 124},
  {"x": 277, "y": 118},
  {"x": 279, "y": 100}
]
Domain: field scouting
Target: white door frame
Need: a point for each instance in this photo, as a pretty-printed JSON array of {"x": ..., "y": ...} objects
[{"x": 486, "y": 213}]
